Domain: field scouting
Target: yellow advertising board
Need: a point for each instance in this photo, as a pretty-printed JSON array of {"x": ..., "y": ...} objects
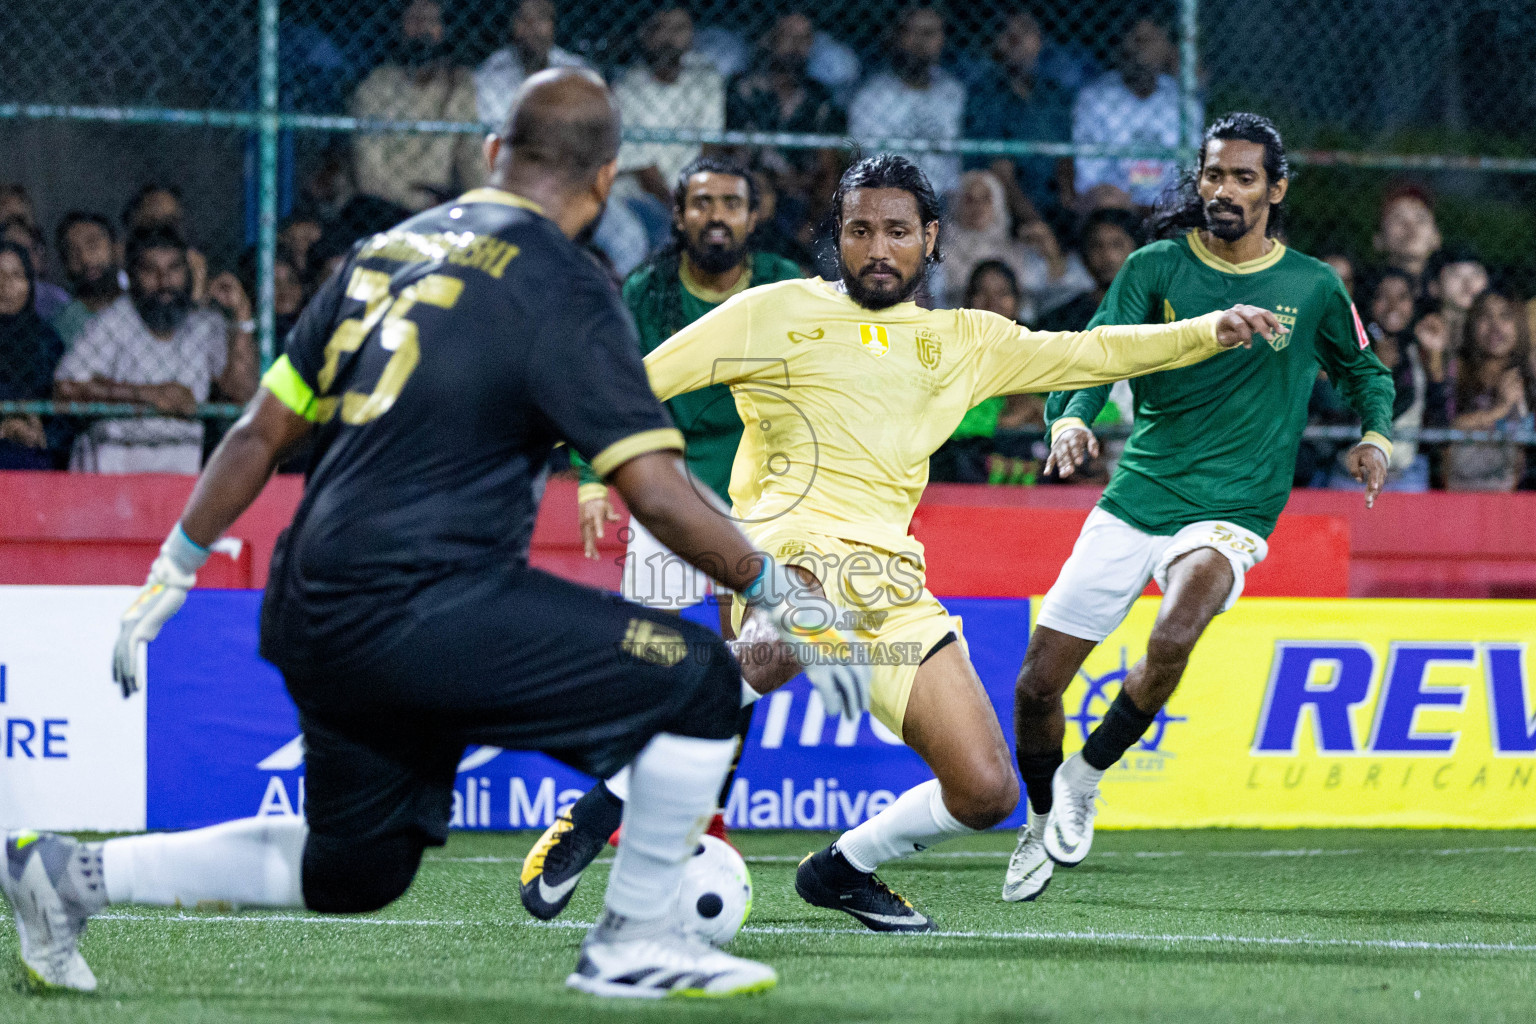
[{"x": 1301, "y": 712}]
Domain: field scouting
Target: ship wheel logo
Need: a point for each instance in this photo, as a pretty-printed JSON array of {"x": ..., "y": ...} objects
[{"x": 1098, "y": 697}]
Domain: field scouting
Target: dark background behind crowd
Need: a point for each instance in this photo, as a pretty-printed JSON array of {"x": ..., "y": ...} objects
[{"x": 127, "y": 274}]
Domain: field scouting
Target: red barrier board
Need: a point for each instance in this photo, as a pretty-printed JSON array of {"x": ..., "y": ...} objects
[
  {"x": 991, "y": 551},
  {"x": 981, "y": 541}
]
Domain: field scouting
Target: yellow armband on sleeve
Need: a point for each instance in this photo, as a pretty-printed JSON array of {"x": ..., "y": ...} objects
[
  {"x": 1376, "y": 440},
  {"x": 1065, "y": 423}
]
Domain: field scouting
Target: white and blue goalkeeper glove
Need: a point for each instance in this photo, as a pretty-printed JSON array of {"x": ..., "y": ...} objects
[
  {"x": 171, "y": 575},
  {"x": 806, "y": 620}
]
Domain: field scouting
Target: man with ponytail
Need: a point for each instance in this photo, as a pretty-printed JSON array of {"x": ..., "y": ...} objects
[{"x": 1204, "y": 476}]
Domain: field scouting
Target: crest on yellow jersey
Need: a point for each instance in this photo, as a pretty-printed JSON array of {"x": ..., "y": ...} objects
[
  {"x": 875, "y": 338},
  {"x": 929, "y": 349}
]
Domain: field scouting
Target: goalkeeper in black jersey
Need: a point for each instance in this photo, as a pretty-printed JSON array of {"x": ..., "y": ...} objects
[{"x": 436, "y": 371}]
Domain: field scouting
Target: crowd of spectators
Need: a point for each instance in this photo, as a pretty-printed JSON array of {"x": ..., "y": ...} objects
[{"x": 127, "y": 309}]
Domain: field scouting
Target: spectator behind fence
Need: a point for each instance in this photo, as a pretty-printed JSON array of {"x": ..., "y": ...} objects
[
  {"x": 1415, "y": 353},
  {"x": 420, "y": 83},
  {"x": 914, "y": 98},
  {"x": 29, "y": 351},
  {"x": 777, "y": 95},
  {"x": 977, "y": 229},
  {"x": 288, "y": 292},
  {"x": 48, "y": 298},
  {"x": 835, "y": 65},
  {"x": 531, "y": 49},
  {"x": 1138, "y": 104},
  {"x": 1344, "y": 266},
  {"x": 1494, "y": 390},
  {"x": 1011, "y": 100},
  {"x": 1106, "y": 239},
  {"x": 157, "y": 205},
  {"x": 670, "y": 88},
  {"x": 87, "y": 244},
  {"x": 16, "y": 201},
  {"x": 1407, "y": 235},
  {"x": 297, "y": 237},
  {"x": 1453, "y": 278},
  {"x": 152, "y": 347}
]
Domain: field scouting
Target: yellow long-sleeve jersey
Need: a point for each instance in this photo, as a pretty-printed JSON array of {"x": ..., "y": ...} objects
[{"x": 843, "y": 405}]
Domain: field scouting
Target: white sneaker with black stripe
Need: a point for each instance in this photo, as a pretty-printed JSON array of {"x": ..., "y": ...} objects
[
  {"x": 1030, "y": 867},
  {"x": 49, "y": 917},
  {"x": 1074, "y": 804},
  {"x": 644, "y": 960}
]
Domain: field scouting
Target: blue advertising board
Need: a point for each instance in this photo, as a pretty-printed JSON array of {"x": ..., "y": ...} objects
[{"x": 223, "y": 737}]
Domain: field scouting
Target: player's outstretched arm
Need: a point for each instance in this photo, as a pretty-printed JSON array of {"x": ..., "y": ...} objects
[
  {"x": 1014, "y": 360},
  {"x": 686, "y": 517},
  {"x": 1237, "y": 326},
  {"x": 234, "y": 476}
]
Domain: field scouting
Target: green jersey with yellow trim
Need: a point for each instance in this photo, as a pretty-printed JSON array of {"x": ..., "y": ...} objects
[
  {"x": 440, "y": 376},
  {"x": 1218, "y": 440}
]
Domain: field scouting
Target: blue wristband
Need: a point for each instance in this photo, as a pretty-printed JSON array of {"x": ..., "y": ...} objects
[
  {"x": 754, "y": 591},
  {"x": 184, "y": 552}
]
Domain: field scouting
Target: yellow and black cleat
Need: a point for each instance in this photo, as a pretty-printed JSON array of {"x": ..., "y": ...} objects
[
  {"x": 826, "y": 879},
  {"x": 554, "y": 866}
]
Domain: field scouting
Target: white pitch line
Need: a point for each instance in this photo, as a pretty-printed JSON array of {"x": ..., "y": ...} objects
[
  {"x": 1024, "y": 935},
  {"x": 1144, "y": 854}
]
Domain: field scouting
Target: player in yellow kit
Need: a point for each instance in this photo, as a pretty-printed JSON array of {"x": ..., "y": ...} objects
[{"x": 845, "y": 390}]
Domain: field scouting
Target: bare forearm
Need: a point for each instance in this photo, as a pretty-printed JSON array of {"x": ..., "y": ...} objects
[
  {"x": 1486, "y": 420},
  {"x": 240, "y": 467},
  {"x": 99, "y": 391},
  {"x": 673, "y": 508},
  {"x": 239, "y": 379},
  {"x": 234, "y": 476}
]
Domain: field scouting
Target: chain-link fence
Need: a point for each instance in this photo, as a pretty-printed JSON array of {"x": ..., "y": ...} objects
[{"x": 270, "y": 134}]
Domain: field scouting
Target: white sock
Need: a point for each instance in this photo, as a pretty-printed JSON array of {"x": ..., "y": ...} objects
[
  {"x": 1079, "y": 772},
  {"x": 917, "y": 820},
  {"x": 619, "y": 784},
  {"x": 675, "y": 782},
  {"x": 254, "y": 862}
]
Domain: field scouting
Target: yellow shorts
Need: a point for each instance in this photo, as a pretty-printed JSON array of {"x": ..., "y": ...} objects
[{"x": 886, "y": 604}]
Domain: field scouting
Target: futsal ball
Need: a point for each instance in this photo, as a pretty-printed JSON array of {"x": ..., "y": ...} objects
[{"x": 716, "y": 895}]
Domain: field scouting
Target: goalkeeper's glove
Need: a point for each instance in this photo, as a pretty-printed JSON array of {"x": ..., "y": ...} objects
[
  {"x": 171, "y": 575},
  {"x": 806, "y": 620}
]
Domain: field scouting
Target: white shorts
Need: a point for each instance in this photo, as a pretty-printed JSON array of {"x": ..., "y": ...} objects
[
  {"x": 1112, "y": 562},
  {"x": 655, "y": 577}
]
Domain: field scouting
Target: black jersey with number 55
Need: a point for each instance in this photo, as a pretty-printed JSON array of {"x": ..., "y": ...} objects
[{"x": 440, "y": 365}]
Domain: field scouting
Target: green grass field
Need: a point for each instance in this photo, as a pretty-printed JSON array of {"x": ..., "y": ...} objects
[{"x": 1155, "y": 926}]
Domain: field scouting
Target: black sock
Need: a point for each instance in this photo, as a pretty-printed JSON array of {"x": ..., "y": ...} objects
[
  {"x": 840, "y": 872},
  {"x": 1037, "y": 770},
  {"x": 1124, "y": 723},
  {"x": 743, "y": 726},
  {"x": 598, "y": 811}
]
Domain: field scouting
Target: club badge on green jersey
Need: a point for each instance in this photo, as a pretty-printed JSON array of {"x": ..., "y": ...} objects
[{"x": 1287, "y": 317}]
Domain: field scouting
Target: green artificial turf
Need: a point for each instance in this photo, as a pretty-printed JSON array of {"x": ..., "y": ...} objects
[{"x": 1156, "y": 926}]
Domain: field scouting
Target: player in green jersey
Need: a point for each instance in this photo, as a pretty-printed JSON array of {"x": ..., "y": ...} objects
[
  {"x": 1204, "y": 476},
  {"x": 708, "y": 261}
]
